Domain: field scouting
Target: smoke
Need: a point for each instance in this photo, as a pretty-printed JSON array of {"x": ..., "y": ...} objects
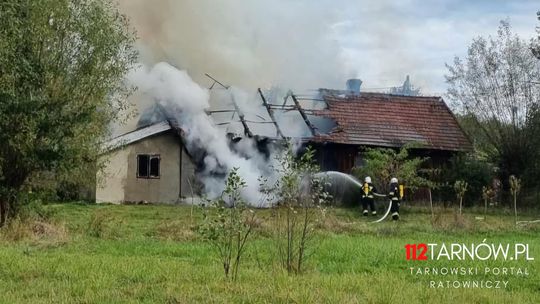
[
  {"x": 175, "y": 91},
  {"x": 246, "y": 43}
]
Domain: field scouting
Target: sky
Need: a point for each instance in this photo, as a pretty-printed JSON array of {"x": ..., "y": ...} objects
[
  {"x": 306, "y": 44},
  {"x": 426, "y": 35}
]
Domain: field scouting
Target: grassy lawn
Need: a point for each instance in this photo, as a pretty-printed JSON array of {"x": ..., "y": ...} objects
[{"x": 152, "y": 254}]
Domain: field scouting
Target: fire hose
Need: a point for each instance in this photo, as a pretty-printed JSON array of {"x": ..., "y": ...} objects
[{"x": 387, "y": 211}]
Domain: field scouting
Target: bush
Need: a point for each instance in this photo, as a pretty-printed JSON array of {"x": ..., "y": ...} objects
[
  {"x": 383, "y": 164},
  {"x": 466, "y": 167},
  {"x": 32, "y": 206},
  {"x": 301, "y": 198},
  {"x": 229, "y": 227}
]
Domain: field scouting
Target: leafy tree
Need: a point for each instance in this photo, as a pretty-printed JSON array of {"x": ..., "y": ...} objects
[
  {"x": 483, "y": 148},
  {"x": 535, "y": 47},
  {"x": 383, "y": 164},
  {"x": 496, "y": 85},
  {"x": 533, "y": 169},
  {"x": 477, "y": 172},
  {"x": 62, "y": 64}
]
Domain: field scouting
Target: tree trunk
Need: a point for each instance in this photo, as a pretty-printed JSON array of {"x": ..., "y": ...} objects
[
  {"x": 6, "y": 210},
  {"x": 3, "y": 212},
  {"x": 431, "y": 205},
  {"x": 515, "y": 208}
]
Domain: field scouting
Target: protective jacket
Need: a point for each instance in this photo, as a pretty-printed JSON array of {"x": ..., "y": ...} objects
[
  {"x": 395, "y": 195},
  {"x": 368, "y": 198},
  {"x": 396, "y": 192}
]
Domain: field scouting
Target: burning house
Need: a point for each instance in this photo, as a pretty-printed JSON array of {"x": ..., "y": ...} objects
[
  {"x": 178, "y": 149},
  {"x": 182, "y": 148}
]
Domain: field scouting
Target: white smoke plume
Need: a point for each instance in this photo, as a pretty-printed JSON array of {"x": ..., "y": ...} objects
[
  {"x": 177, "y": 92},
  {"x": 246, "y": 43}
]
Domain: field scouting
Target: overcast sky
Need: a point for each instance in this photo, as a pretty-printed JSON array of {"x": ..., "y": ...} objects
[
  {"x": 427, "y": 33},
  {"x": 307, "y": 44}
]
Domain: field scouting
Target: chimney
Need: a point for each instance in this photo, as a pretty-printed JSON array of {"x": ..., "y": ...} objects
[{"x": 353, "y": 86}]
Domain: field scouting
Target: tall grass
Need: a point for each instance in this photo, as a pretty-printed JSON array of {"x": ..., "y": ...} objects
[{"x": 148, "y": 262}]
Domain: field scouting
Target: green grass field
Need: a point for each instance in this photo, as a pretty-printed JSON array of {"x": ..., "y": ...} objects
[{"x": 152, "y": 254}]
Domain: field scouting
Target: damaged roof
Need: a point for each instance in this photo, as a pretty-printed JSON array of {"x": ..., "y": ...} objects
[{"x": 384, "y": 120}]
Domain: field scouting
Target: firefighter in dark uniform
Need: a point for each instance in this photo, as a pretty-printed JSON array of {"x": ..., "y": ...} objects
[
  {"x": 367, "y": 197},
  {"x": 395, "y": 194}
]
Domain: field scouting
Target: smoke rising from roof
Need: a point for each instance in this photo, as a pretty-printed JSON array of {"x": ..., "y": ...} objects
[
  {"x": 186, "y": 101},
  {"x": 246, "y": 43},
  {"x": 305, "y": 44}
]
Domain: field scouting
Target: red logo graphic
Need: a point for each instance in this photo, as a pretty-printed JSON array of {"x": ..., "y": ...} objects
[{"x": 416, "y": 252}]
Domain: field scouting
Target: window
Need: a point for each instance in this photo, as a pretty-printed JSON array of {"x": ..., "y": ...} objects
[{"x": 148, "y": 166}]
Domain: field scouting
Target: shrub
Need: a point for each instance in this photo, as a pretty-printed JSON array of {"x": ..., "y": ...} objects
[
  {"x": 476, "y": 172},
  {"x": 383, "y": 164},
  {"x": 515, "y": 188},
  {"x": 229, "y": 227},
  {"x": 460, "y": 187},
  {"x": 301, "y": 198}
]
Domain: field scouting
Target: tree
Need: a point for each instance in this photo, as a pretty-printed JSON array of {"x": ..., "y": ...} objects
[
  {"x": 383, "y": 164},
  {"x": 483, "y": 149},
  {"x": 469, "y": 168},
  {"x": 230, "y": 226},
  {"x": 299, "y": 196},
  {"x": 515, "y": 187},
  {"x": 535, "y": 45},
  {"x": 460, "y": 187},
  {"x": 62, "y": 65},
  {"x": 496, "y": 84}
]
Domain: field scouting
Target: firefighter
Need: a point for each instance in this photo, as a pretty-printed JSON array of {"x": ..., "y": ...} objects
[
  {"x": 395, "y": 194},
  {"x": 367, "y": 197}
]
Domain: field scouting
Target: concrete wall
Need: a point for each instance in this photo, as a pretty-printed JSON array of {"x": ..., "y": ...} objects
[
  {"x": 188, "y": 185},
  {"x": 124, "y": 185},
  {"x": 110, "y": 182}
]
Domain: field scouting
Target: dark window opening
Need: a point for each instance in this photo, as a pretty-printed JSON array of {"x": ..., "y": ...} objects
[
  {"x": 148, "y": 166},
  {"x": 154, "y": 166}
]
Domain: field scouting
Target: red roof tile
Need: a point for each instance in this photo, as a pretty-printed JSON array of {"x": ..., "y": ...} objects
[{"x": 384, "y": 120}]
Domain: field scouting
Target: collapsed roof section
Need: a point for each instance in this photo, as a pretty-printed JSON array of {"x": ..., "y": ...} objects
[
  {"x": 278, "y": 115},
  {"x": 334, "y": 116}
]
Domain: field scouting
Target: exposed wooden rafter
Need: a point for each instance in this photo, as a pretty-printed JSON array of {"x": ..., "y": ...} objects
[
  {"x": 237, "y": 110},
  {"x": 311, "y": 127},
  {"x": 270, "y": 113}
]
